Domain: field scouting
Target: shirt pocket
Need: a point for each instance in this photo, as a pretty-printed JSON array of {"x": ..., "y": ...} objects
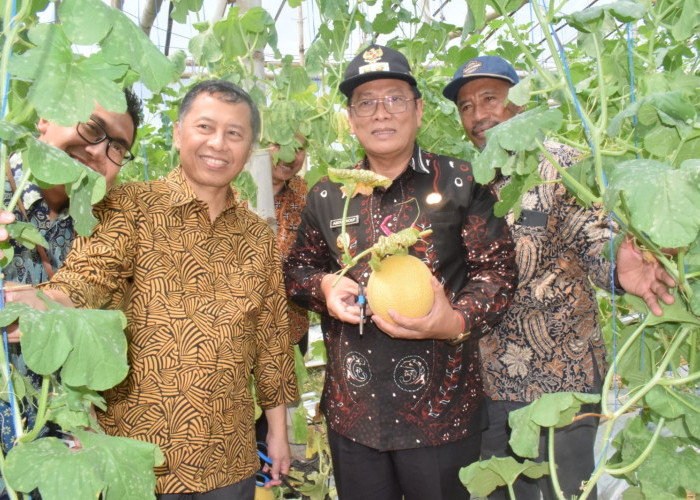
[{"x": 530, "y": 236}]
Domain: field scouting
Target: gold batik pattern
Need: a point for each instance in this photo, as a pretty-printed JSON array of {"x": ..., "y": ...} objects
[
  {"x": 205, "y": 305},
  {"x": 288, "y": 206}
]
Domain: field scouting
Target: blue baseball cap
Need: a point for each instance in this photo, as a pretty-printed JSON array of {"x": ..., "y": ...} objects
[{"x": 480, "y": 67}]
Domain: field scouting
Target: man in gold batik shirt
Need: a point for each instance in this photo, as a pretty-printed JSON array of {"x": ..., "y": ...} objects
[{"x": 199, "y": 279}]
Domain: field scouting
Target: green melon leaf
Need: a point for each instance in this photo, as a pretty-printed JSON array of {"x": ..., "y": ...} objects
[
  {"x": 26, "y": 234},
  {"x": 550, "y": 410},
  {"x": 183, "y": 7},
  {"x": 482, "y": 478},
  {"x": 127, "y": 44},
  {"x": 117, "y": 467},
  {"x": 663, "y": 202},
  {"x": 63, "y": 92},
  {"x": 85, "y": 22},
  {"x": 89, "y": 344},
  {"x": 10, "y": 132}
]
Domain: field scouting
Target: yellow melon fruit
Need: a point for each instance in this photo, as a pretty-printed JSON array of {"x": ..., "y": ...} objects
[
  {"x": 402, "y": 285},
  {"x": 264, "y": 493}
]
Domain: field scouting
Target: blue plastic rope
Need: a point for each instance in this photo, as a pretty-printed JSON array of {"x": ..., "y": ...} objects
[
  {"x": 610, "y": 217},
  {"x": 155, "y": 21},
  {"x": 532, "y": 39},
  {"x": 143, "y": 145},
  {"x": 13, "y": 407},
  {"x": 568, "y": 77},
  {"x": 636, "y": 144}
]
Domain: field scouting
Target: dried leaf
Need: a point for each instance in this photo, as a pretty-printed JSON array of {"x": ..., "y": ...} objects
[{"x": 357, "y": 181}]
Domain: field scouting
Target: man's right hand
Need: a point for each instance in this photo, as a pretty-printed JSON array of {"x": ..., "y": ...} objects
[
  {"x": 341, "y": 299},
  {"x": 17, "y": 292},
  {"x": 5, "y": 218}
]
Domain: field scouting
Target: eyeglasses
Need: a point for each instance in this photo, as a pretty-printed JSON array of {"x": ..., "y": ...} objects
[
  {"x": 94, "y": 133},
  {"x": 392, "y": 103}
]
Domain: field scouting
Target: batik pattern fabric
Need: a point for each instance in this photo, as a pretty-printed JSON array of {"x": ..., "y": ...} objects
[
  {"x": 550, "y": 338},
  {"x": 392, "y": 394},
  {"x": 288, "y": 206},
  {"x": 206, "y": 306},
  {"x": 27, "y": 268}
]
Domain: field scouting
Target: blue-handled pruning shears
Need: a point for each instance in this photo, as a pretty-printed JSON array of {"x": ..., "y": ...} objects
[
  {"x": 362, "y": 302},
  {"x": 263, "y": 477}
]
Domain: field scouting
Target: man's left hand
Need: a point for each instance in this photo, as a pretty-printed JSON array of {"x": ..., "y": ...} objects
[
  {"x": 441, "y": 323},
  {"x": 643, "y": 276},
  {"x": 279, "y": 453}
]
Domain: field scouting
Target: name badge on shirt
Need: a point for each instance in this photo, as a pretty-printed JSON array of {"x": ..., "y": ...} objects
[
  {"x": 349, "y": 221},
  {"x": 532, "y": 218}
]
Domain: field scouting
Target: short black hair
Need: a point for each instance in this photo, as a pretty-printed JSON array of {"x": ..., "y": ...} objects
[
  {"x": 133, "y": 107},
  {"x": 227, "y": 92}
]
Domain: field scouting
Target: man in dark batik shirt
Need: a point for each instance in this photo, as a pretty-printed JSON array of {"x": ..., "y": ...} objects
[
  {"x": 550, "y": 339},
  {"x": 403, "y": 402}
]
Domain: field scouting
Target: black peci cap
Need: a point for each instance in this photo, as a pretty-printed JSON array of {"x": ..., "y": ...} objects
[{"x": 373, "y": 63}]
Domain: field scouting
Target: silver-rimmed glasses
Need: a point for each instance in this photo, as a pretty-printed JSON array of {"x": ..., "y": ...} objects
[{"x": 392, "y": 103}]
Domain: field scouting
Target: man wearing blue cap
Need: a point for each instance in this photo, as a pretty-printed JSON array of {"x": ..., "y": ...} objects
[
  {"x": 550, "y": 338},
  {"x": 403, "y": 402}
]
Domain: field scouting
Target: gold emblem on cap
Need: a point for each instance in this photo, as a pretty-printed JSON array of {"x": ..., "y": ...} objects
[
  {"x": 372, "y": 55},
  {"x": 471, "y": 68}
]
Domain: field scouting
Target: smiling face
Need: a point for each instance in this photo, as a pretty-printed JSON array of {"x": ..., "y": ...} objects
[
  {"x": 214, "y": 138},
  {"x": 482, "y": 105},
  {"x": 385, "y": 135},
  {"x": 119, "y": 126}
]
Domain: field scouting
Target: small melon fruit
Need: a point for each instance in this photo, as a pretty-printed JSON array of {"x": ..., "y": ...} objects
[
  {"x": 402, "y": 285},
  {"x": 264, "y": 493}
]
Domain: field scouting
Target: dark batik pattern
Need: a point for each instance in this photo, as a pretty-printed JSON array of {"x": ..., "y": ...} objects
[
  {"x": 396, "y": 394},
  {"x": 550, "y": 339},
  {"x": 205, "y": 305}
]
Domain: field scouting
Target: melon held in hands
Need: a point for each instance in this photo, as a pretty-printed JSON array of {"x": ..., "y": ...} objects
[{"x": 402, "y": 285}]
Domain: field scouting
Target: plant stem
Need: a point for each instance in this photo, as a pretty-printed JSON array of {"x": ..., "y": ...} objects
[
  {"x": 552, "y": 464},
  {"x": 682, "y": 278},
  {"x": 343, "y": 233},
  {"x": 526, "y": 50},
  {"x": 41, "y": 411},
  {"x": 692, "y": 358},
  {"x": 26, "y": 172},
  {"x": 638, "y": 461},
  {"x": 11, "y": 494},
  {"x": 607, "y": 383},
  {"x": 360, "y": 255},
  {"x": 581, "y": 190},
  {"x": 681, "y": 380},
  {"x": 603, "y": 119},
  {"x": 656, "y": 377}
]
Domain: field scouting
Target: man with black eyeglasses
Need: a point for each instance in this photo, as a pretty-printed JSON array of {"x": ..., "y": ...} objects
[
  {"x": 403, "y": 401},
  {"x": 102, "y": 143}
]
